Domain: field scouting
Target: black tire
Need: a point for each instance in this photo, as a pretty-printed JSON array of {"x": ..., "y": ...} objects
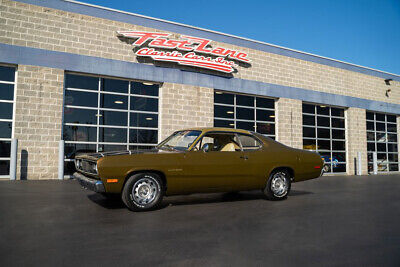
[
  {"x": 144, "y": 183},
  {"x": 276, "y": 177}
]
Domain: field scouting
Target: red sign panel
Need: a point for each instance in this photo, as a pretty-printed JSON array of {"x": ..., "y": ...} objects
[{"x": 190, "y": 51}]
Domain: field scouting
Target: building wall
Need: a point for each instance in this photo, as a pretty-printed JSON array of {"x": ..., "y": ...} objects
[
  {"x": 356, "y": 139},
  {"x": 34, "y": 26},
  {"x": 185, "y": 107},
  {"x": 289, "y": 121},
  {"x": 38, "y": 118}
]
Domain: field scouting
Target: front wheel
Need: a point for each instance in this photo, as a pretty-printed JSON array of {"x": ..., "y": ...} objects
[
  {"x": 143, "y": 191},
  {"x": 278, "y": 185}
]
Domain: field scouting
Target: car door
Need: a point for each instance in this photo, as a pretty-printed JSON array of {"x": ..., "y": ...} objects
[{"x": 221, "y": 168}]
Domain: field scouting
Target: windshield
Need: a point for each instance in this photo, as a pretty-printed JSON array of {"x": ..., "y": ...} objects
[{"x": 181, "y": 140}]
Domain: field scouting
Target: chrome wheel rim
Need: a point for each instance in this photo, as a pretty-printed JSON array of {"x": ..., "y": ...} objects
[
  {"x": 279, "y": 184},
  {"x": 144, "y": 191}
]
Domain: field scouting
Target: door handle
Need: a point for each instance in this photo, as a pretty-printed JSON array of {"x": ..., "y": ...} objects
[{"x": 244, "y": 157}]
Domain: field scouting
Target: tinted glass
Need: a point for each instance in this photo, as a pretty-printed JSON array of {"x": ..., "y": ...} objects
[
  {"x": 393, "y": 157},
  {"x": 370, "y": 136},
  {"x": 338, "y": 112},
  {"x": 76, "y": 98},
  {"x": 380, "y": 117},
  {"x": 72, "y": 150},
  {"x": 224, "y": 123},
  {"x": 80, "y": 133},
  {"x": 6, "y": 91},
  {"x": 370, "y": 125},
  {"x": 113, "y": 118},
  {"x": 245, "y": 125},
  {"x": 82, "y": 82},
  {"x": 265, "y": 103},
  {"x": 144, "y": 104},
  {"x": 223, "y": 98},
  {"x": 143, "y": 120},
  {"x": 322, "y": 110},
  {"x": 338, "y": 145},
  {"x": 143, "y": 89},
  {"x": 308, "y": 120},
  {"x": 244, "y": 113},
  {"x": 338, "y": 134},
  {"x": 393, "y": 167},
  {"x": 243, "y": 100},
  {"x": 112, "y": 135},
  {"x": 380, "y": 126},
  {"x": 323, "y": 133},
  {"x": 309, "y": 144},
  {"x": 308, "y": 108},
  {"x": 106, "y": 148},
  {"x": 392, "y": 148},
  {"x": 370, "y": 116},
  {"x": 266, "y": 128},
  {"x": 5, "y": 147},
  {"x": 324, "y": 145},
  {"x": 391, "y": 127},
  {"x": 323, "y": 121},
  {"x": 391, "y": 118},
  {"x": 81, "y": 116},
  {"x": 118, "y": 86},
  {"x": 5, "y": 129},
  {"x": 265, "y": 115},
  {"x": 4, "y": 167},
  {"x": 6, "y": 110},
  {"x": 223, "y": 112},
  {"x": 337, "y": 123},
  {"x": 339, "y": 168},
  {"x": 392, "y": 137},
  {"x": 7, "y": 74},
  {"x": 113, "y": 101},
  {"x": 339, "y": 156},
  {"x": 142, "y": 136},
  {"x": 308, "y": 132},
  {"x": 370, "y": 146}
]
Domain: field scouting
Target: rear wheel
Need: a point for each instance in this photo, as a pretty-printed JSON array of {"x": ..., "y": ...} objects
[
  {"x": 143, "y": 191},
  {"x": 278, "y": 185}
]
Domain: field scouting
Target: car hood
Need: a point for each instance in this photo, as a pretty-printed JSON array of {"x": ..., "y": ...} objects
[{"x": 96, "y": 156}]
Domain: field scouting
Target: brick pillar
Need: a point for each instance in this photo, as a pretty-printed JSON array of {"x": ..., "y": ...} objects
[
  {"x": 185, "y": 106},
  {"x": 38, "y": 119},
  {"x": 289, "y": 121},
  {"x": 356, "y": 139}
]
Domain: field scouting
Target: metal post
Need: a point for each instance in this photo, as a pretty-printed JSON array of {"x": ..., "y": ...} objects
[
  {"x": 375, "y": 162},
  {"x": 61, "y": 160},
  {"x": 359, "y": 163},
  {"x": 13, "y": 159}
]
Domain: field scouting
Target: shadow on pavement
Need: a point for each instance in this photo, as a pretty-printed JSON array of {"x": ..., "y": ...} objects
[{"x": 116, "y": 203}]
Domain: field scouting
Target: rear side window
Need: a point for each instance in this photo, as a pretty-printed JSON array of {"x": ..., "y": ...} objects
[{"x": 248, "y": 142}]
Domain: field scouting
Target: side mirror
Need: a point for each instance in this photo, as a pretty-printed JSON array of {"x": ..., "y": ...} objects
[{"x": 206, "y": 147}]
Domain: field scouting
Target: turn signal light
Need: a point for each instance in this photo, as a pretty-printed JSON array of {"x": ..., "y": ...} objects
[{"x": 112, "y": 180}]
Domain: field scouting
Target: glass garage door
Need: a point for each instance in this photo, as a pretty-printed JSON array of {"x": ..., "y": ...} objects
[
  {"x": 382, "y": 138},
  {"x": 246, "y": 112},
  {"x": 104, "y": 114},
  {"x": 7, "y": 87},
  {"x": 324, "y": 132}
]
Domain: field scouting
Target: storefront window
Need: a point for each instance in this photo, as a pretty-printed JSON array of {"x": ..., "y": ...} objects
[
  {"x": 104, "y": 114},
  {"x": 324, "y": 132},
  {"x": 7, "y": 85},
  {"x": 382, "y": 138},
  {"x": 246, "y": 112}
]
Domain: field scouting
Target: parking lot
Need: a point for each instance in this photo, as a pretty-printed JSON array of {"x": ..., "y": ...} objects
[{"x": 325, "y": 222}]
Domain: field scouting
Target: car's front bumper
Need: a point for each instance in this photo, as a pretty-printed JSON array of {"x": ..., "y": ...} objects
[{"x": 90, "y": 183}]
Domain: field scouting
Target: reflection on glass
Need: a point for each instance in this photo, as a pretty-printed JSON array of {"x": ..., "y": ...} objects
[
  {"x": 81, "y": 82},
  {"x": 80, "y": 133},
  {"x": 81, "y": 116},
  {"x": 223, "y": 98}
]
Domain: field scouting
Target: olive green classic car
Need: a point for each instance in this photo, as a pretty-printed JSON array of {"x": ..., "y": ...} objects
[{"x": 198, "y": 160}]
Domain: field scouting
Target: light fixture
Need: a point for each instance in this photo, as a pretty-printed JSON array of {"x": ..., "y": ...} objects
[
  {"x": 323, "y": 106},
  {"x": 219, "y": 93},
  {"x": 231, "y": 124},
  {"x": 149, "y": 119},
  {"x": 98, "y": 115},
  {"x": 147, "y": 83},
  {"x": 387, "y": 81},
  {"x": 272, "y": 116},
  {"x": 229, "y": 112},
  {"x": 118, "y": 102}
]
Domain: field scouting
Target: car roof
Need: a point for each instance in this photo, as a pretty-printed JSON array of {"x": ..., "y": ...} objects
[{"x": 218, "y": 129}]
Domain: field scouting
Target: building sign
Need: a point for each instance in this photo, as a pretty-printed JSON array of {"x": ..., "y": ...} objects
[{"x": 189, "y": 51}]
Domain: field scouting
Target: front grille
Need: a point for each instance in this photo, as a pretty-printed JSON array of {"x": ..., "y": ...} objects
[{"x": 86, "y": 166}]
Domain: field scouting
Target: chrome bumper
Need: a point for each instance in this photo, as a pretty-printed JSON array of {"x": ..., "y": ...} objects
[{"x": 90, "y": 183}]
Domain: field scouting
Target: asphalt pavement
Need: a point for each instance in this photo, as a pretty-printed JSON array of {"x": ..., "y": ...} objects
[{"x": 330, "y": 221}]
